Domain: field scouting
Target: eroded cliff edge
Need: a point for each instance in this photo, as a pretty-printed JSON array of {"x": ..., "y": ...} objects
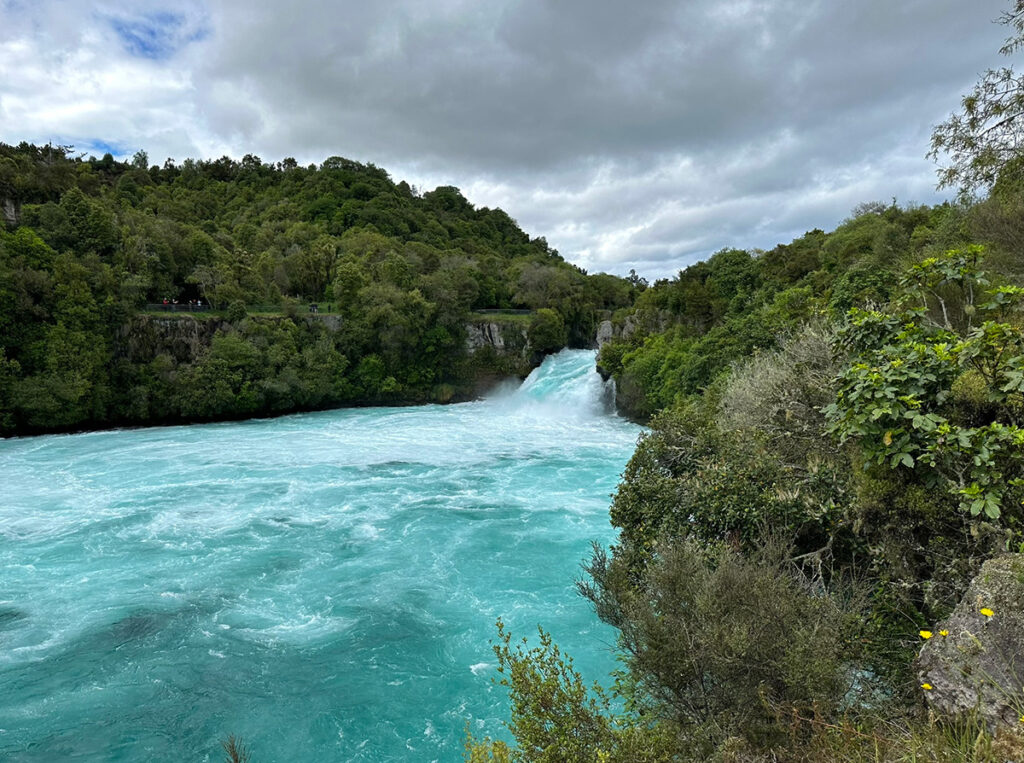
[{"x": 494, "y": 349}]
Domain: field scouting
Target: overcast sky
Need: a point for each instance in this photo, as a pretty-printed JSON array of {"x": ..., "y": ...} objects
[{"x": 646, "y": 134}]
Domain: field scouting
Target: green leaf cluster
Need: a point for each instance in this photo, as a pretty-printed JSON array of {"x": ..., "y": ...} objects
[{"x": 902, "y": 399}]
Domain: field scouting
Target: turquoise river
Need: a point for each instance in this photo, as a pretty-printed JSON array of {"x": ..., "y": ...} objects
[{"x": 324, "y": 586}]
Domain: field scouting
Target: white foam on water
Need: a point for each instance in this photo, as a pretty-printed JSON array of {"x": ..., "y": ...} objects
[{"x": 343, "y": 565}]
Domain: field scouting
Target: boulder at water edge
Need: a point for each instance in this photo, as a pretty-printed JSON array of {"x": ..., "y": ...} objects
[{"x": 979, "y": 664}]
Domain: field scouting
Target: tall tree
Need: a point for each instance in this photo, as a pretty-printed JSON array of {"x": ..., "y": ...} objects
[{"x": 983, "y": 140}]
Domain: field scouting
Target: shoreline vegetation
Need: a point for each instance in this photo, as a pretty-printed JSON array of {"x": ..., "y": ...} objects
[
  {"x": 91, "y": 245},
  {"x": 821, "y": 550}
]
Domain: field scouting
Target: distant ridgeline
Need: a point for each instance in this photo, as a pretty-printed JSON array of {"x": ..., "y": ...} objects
[{"x": 396, "y": 277}]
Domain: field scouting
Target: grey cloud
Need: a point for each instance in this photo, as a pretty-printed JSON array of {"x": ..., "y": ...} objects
[
  {"x": 542, "y": 85},
  {"x": 646, "y": 134}
]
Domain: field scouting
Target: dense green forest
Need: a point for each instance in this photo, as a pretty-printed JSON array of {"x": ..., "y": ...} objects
[
  {"x": 835, "y": 450},
  {"x": 396, "y": 276}
]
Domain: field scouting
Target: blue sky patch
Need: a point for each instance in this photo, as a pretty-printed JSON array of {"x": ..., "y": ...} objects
[
  {"x": 101, "y": 147},
  {"x": 156, "y": 36}
]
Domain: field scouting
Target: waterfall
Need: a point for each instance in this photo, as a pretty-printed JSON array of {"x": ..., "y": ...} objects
[{"x": 565, "y": 384}]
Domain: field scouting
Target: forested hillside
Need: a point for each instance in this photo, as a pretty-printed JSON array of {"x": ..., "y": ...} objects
[
  {"x": 90, "y": 242},
  {"x": 836, "y": 449},
  {"x": 686, "y": 333}
]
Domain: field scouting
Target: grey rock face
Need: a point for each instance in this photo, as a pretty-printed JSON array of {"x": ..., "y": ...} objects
[
  {"x": 605, "y": 333},
  {"x": 11, "y": 210},
  {"x": 979, "y": 664},
  {"x": 628, "y": 327},
  {"x": 332, "y": 322},
  {"x": 479, "y": 335},
  {"x": 182, "y": 338}
]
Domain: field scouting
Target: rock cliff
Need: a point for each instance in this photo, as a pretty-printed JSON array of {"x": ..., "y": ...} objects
[
  {"x": 502, "y": 337},
  {"x": 496, "y": 350},
  {"x": 182, "y": 337},
  {"x": 11, "y": 211}
]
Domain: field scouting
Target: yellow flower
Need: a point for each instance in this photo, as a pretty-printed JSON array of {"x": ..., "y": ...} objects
[
  {"x": 926, "y": 687},
  {"x": 1022, "y": 719},
  {"x": 986, "y": 611},
  {"x": 943, "y": 633},
  {"x": 925, "y": 634}
]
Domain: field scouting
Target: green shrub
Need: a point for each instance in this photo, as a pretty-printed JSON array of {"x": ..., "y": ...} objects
[
  {"x": 547, "y": 332},
  {"x": 555, "y": 717},
  {"x": 723, "y": 645},
  {"x": 690, "y": 478},
  {"x": 609, "y": 358},
  {"x": 236, "y": 312},
  {"x": 779, "y": 395}
]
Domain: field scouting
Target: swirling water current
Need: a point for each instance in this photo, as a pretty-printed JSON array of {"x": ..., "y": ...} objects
[{"x": 323, "y": 586}]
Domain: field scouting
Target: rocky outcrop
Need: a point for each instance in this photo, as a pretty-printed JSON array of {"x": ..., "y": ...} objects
[
  {"x": 332, "y": 322},
  {"x": 650, "y": 322},
  {"x": 629, "y": 326},
  {"x": 974, "y": 660},
  {"x": 480, "y": 335},
  {"x": 182, "y": 337},
  {"x": 11, "y": 211},
  {"x": 607, "y": 330},
  {"x": 508, "y": 339},
  {"x": 498, "y": 350}
]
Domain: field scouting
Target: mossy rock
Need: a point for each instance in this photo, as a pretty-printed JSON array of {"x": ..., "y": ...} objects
[{"x": 978, "y": 666}]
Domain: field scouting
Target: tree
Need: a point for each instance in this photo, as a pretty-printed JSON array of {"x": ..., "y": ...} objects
[
  {"x": 547, "y": 331},
  {"x": 983, "y": 139},
  {"x": 210, "y": 279},
  {"x": 140, "y": 160}
]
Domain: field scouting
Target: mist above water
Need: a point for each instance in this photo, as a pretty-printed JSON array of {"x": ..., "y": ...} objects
[{"x": 324, "y": 585}]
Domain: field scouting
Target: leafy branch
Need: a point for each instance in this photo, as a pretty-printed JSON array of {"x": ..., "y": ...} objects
[{"x": 894, "y": 399}]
